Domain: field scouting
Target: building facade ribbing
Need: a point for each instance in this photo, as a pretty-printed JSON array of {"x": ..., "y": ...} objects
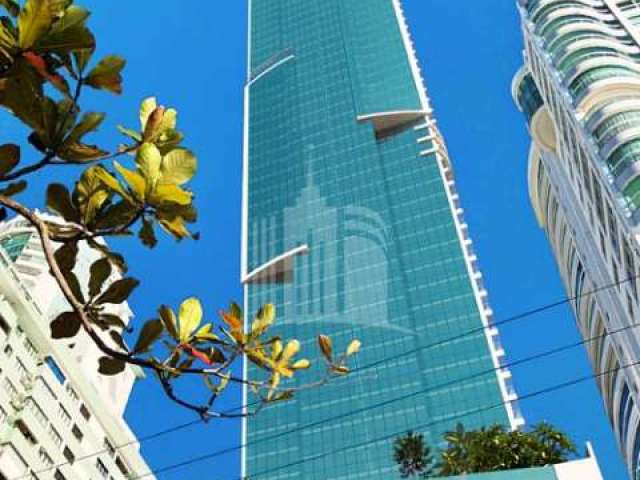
[
  {"x": 59, "y": 418},
  {"x": 579, "y": 90},
  {"x": 353, "y": 227}
]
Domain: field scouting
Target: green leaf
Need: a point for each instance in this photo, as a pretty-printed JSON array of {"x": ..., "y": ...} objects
[
  {"x": 66, "y": 325},
  {"x": 149, "y": 160},
  {"x": 178, "y": 166},
  {"x": 80, "y": 153},
  {"x": 110, "y": 320},
  {"x": 82, "y": 58},
  {"x": 110, "y": 366},
  {"x": 7, "y": 36},
  {"x": 118, "y": 291},
  {"x": 118, "y": 340},
  {"x": 14, "y": 188},
  {"x": 132, "y": 134},
  {"x": 151, "y": 331},
  {"x": 34, "y": 21},
  {"x": 59, "y": 200},
  {"x": 67, "y": 37},
  {"x": 99, "y": 273},
  {"x": 90, "y": 194},
  {"x": 113, "y": 184},
  {"x": 170, "y": 322},
  {"x": 11, "y": 6},
  {"x": 66, "y": 256},
  {"x": 117, "y": 215},
  {"x": 147, "y": 234},
  {"x": 9, "y": 158},
  {"x": 89, "y": 123},
  {"x": 190, "y": 316},
  {"x": 73, "y": 16},
  {"x": 107, "y": 74},
  {"x": 74, "y": 285}
]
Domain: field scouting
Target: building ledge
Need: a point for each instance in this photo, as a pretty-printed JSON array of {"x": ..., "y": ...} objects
[
  {"x": 386, "y": 124},
  {"x": 276, "y": 270}
]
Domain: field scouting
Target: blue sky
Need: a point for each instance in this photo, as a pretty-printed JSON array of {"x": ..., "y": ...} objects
[{"x": 192, "y": 56}]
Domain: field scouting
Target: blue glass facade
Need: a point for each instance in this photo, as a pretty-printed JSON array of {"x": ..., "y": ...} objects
[{"x": 340, "y": 168}]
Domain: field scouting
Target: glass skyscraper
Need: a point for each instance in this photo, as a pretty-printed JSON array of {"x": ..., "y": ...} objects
[
  {"x": 580, "y": 92},
  {"x": 353, "y": 227}
]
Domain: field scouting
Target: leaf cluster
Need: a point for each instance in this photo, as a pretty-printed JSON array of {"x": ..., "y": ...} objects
[
  {"x": 136, "y": 188},
  {"x": 485, "y": 450}
]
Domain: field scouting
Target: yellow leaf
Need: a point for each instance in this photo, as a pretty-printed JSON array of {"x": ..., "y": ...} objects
[
  {"x": 135, "y": 181},
  {"x": 149, "y": 160},
  {"x": 354, "y": 347},
  {"x": 190, "y": 316},
  {"x": 168, "y": 193},
  {"x": 301, "y": 365},
  {"x": 147, "y": 107},
  {"x": 265, "y": 317},
  {"x": 290, "y": 351},
  {"x": 276, "y": 349},
  {"x": 178, "y": 166}
]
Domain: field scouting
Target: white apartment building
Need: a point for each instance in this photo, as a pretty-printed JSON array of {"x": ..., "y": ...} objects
[
  {"x": 580, "y": 93},
  {"x": 59, "y": 419}
]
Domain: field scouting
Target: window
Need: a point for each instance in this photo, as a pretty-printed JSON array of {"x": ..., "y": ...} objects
[
  {"x": 72, "y": 393},
  {"x": 102, "y": 469},
  {"x": 37, "y": 412},
  {"x": 26, "y": 433},
  {"x": 3, "y": 415},
  {"x": 45, "y": 458},
  {"x": 55, "y": 369},
  {"x": 77, "y": 433},
  {"x": 85, "y": 412},
  {"x": 123, "y": 469},
  {"x": 21, "y": 369},
  {"x": 55, "y": 436},
  {"x": 68, "y": 455},
  {"x": 31, "y": 350},
  {"x": 41, "y": 384},
  {"x": 58, "y": 476},
  {"x": 109, "y": 447},
  {"x": 4, "y": 325},
  {"x": 64, "y": 415},
  {"x": 8, "y": 350},
  {"x": 10, "y": 388}
]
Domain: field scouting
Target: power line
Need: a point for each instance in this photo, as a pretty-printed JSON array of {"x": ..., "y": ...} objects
[
  {"x": 450, "y": 383},
  {"x": 508, "y": 320},
  {"x": 451, "y": 418}
]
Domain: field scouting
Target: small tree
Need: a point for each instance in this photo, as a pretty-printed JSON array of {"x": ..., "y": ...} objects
[
  {"x": 496, "y": 448},
  {"x": 46, "y": 62},
  {"x": 485, "y": 450},
  {"x": 413, "y": 456}
]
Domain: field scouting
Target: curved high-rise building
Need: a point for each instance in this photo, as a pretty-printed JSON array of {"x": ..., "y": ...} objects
[
  {"x": 580, "y": 92},
  {"x": 353, "y": 227}
]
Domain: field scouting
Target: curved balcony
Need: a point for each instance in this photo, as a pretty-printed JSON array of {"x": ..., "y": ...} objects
[
  {"x": 615, "y": 125},
  {"x": 587, "y": 80},
  {"x": 538, "y": 8},
  {"x": 564, "y": 15}
]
